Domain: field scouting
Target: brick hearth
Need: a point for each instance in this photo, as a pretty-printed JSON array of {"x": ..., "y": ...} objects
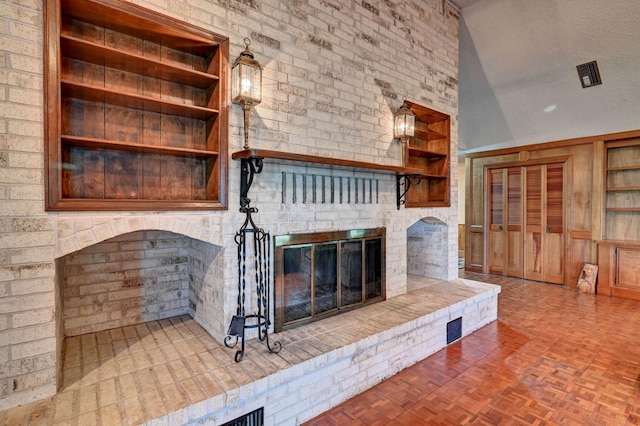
[{"x": 171, "y": 371}]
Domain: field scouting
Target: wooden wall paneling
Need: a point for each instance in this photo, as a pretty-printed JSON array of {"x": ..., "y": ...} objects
[
  {"x": 176, "y": 178},
  {"x": 151, "y": 128},
  {"x": 125, "y": 175},
  {"x": 474, "y": 261},
  {"x": 92, "y": 175},
  {"x": 212, "y": 178},
  {"x": 123, "y": 124},
  {"x": 199, "y": 179},
  {"x": 597, "y": 189},
  {"x": 82, "y": 118},
  {"x": 606, "y": 269},
  {"x": 580, "y": 246},
  {"x": 577, "y": 251},
  {"x": 462, "y": 236},
  {"x": 587, "y": 220},
  {"x": 579, "y": 211},
  {"x": 627, "y": 281},
  {"x": 152, "y": 177}
]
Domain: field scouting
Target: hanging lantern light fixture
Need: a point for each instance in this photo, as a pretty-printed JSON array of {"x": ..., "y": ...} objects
[
  {"x": 404, "y": 126},
  {"x": 246, "y": 85}
]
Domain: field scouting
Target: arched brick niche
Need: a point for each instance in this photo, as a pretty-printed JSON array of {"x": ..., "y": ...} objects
[
  {"x": 427, "y": 248},
  {"x": 138, "y": 277}
]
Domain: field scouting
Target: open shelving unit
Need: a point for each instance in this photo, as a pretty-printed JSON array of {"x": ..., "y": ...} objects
[
  {"x": 619, "y": 252},
  {"x": 136, "y": 113},
  {"x": 429, "y": 150},
  {"x": 622, "y": 191}
]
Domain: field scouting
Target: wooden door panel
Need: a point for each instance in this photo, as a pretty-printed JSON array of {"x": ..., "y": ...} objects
[
  {"x": 514, "y": 261},
  {"x": 514, "y": 254},
  {"x": 554, "y": 259},
  {"x": 526, "y": 222},
  {"x": 533, "y": 256},
  {"x": 496, "y": 252},
  {"x": 496, "y": 255},
  {"x": 554, "y": 224},
  {"x": 533, "y": 223}
]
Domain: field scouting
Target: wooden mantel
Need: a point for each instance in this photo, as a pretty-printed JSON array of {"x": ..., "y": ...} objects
[
  {"x": 405, "y": 176},
  {"x": 326, "y": 161}
]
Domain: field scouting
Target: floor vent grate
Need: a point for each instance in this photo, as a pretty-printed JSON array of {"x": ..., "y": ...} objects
[
  {"x": 454, "y": 330},
  {"x": 254, "y": 418}
]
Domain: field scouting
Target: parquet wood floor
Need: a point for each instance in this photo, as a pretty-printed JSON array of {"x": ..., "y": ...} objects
[{"x": 553, "y": 357}]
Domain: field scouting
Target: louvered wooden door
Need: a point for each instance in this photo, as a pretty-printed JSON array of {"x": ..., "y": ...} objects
[
  {"x": 544, "y": 223},
  {"x": 526, "y": 222},
  {"x": 505, "y": 221}
]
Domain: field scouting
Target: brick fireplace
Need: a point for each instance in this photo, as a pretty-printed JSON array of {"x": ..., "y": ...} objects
[{"x": 334, "y": 75}]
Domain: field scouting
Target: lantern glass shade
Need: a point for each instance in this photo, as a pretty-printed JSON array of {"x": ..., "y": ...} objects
[
  {"x": 404, "y": 122},
  {"x": 246, "y": 79}
]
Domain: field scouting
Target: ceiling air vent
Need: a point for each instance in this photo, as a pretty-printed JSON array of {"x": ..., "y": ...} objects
[{"x": 589, "y": 74}]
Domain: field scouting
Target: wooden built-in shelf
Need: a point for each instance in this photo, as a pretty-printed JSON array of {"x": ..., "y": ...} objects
[
  {"x": 280, "y": 156},
  {"x": 623, "y": 209},
  {"x": 624, "y": 188},
  {"x": 619, "y": 251},
  {"x": 428, "y": 150},
  {"x": 622, "y": 168},
  {"x": 90, "y": 93},
  {"x": 626, "y": 243},
  {"x": 76, "y": 48},
  {"x": 93, "y": 143},
  {"x": 422, "y": 130},
  {"x": 136, "y": 109},
  {"x": 417, "y": 152}
]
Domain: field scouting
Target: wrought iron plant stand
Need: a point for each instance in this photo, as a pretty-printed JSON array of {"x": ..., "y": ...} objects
[{"x": 260, "y": 250}]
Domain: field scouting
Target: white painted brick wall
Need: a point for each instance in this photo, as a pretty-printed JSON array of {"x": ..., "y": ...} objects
[{"x": 334, "y": 74}]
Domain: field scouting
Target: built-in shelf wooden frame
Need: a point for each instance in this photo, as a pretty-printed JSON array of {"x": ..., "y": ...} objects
[
  {"x": 136, "y": 109},
  {"x": 622, "y": 195},
  {"x": 429, "y": 150}
]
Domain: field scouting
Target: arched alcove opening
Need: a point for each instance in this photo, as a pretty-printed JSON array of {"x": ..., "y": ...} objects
[
  {"x": 118, "y": 294},
  {"x": 427, "y": 250}
]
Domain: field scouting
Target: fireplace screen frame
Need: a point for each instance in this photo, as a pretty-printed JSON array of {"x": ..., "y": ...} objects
[{"x": 309, "y": 243}]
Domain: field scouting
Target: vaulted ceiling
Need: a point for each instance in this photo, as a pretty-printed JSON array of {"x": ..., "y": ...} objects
[{"x": 518, "y": 79}]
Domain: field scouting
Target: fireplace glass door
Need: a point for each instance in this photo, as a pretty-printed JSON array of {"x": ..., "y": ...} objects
[{"x": 322, "y": 274}]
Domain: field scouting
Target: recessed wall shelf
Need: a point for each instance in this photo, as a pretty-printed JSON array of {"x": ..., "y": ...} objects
[
  {"x": 136, "y": 111},
  {"x": 428, "y": 150}
]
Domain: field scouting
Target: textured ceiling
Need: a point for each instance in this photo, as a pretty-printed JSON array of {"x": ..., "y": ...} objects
[{"x": 518, "y": 78}]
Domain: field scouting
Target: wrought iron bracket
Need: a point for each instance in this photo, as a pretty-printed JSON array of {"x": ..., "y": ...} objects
[
  {"x": 403, "y": 184},
  {"x": 253, "y": 242},
  {"x": 248, "y": 168}
]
